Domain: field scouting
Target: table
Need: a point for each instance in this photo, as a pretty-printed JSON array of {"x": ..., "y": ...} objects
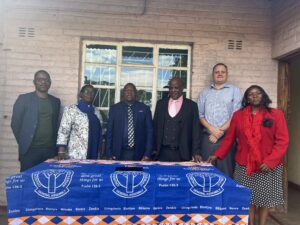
[{"x": 112, "y": 192}]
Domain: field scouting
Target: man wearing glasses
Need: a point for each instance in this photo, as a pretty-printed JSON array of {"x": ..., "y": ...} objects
[{"x": 34, "y": 122}]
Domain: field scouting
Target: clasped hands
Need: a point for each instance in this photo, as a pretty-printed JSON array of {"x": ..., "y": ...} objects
[{"x": 215, "y": 134}]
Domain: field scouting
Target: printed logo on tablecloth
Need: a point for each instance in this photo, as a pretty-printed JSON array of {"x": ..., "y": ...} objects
[
  {"x": 206, "y": 184},
  {"x": 52, "y": 183},
  {"x": 129, "y": 184}
]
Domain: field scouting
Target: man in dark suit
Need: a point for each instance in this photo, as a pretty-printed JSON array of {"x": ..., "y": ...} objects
[
  {"x": 35, "y": 121},
  {"x": 129, "y": 128},
  {"x": 176, "y": 126}
]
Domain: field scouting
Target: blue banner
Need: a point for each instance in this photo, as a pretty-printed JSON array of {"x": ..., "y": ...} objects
[{"x": 112, "y": 188}]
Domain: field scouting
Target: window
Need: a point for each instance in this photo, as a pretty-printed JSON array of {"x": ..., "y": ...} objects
[{"x": 108, "y": 66}]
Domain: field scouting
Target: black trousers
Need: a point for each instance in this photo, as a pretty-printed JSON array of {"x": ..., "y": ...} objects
[
  {"x": 127, "y": 154},
  {"x": 35, "y": 156},
  {"x": 169, "y": 154}
]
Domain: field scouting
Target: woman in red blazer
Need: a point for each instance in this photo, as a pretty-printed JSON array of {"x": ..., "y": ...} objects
[{"x": 262, "y": 136}]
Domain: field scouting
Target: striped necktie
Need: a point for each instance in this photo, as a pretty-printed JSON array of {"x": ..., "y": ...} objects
[{"x": 130, "y": 127}]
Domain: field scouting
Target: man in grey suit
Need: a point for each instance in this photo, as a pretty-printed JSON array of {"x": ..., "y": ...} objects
[{"x": 35, "y": 121}]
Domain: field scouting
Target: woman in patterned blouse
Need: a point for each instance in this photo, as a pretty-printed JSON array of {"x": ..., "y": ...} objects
[{"x": 80, "y": 133}]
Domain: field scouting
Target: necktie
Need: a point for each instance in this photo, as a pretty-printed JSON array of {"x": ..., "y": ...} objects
[
  {"x": 172, "y": 110},
  {"x": 130, "y": 128}
]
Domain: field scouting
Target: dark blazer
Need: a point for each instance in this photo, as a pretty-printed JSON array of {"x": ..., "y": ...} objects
[
  {"x": 189, "y": 134},
  {"x": 25, "y": 118},
  {"x": 143, "y": 130}
]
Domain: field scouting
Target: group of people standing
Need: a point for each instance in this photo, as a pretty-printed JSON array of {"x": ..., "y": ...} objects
[{"x": 236, "y": 133}]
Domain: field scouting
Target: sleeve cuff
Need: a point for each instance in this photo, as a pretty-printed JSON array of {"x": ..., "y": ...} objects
[{"x": 61, "y": 145}]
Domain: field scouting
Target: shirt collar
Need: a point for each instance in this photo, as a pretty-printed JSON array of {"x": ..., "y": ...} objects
[
  {"x": 126, "y": 104},
  {"x": 226, "y": 85}
]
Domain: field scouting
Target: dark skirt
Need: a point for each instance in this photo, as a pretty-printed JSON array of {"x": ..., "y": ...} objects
[{"x": 266, "y": 188}]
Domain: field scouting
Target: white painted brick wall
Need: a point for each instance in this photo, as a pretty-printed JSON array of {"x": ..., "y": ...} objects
[
  {"x": 208, "y": 25},
  {"x": 286, "y": 24}
]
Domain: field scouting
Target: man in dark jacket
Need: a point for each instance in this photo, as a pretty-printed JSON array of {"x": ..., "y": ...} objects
[
  {"x": 35, "y": 121},
  {"x": 129, "y": 128},
  {"x": 176, "y": 126}
]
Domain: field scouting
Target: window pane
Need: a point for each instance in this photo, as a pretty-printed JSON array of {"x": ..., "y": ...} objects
[
  {"x": 145, "y": 96},
  {"x": 101, "y": 54},
  {"x": 100, "y": 75},
  {"x": 137, "y": 55},
  {"x": 162, "y": 94},
  {"x": 104, "y": 114},
  {"x": 104, "y": 97},
  {"x": 141, "y": 77},
  {"x": 139, "y": 64},
  {"x": 173, "y": 57},
  {"x": 165, "y": 75}
]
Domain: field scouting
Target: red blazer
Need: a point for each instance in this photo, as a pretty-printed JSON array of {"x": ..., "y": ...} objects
[{"x": 274, "y": 141}]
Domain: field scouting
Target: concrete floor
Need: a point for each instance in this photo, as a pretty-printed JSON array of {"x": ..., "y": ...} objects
[
  {"x": 291, "y": 218},
  {"x": 3, "y": 218},
  {"x": 293, "y": 215}
]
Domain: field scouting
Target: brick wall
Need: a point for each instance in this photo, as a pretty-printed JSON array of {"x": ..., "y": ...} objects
[
  {"x": 2, "y": 119},
  {"x": 60, "y": 25},
  {"x": 286, "y": 27}
]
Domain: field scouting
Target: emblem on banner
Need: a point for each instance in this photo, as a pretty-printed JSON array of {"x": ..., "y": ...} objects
[
  {"x": 206, "y": 184},
  {"x": 129, "y": 184},
  {"x": 52, "y": 184}
]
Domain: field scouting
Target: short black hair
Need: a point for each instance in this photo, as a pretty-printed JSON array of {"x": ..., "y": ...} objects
[
  {"x": 130, "y": 84},
  {"x": 85, "y": 87},
  {"x": 265, "y": 100},
  {"x": 41, "y": 71}
]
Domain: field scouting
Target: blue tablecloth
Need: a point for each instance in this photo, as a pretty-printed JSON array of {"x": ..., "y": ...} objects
[{"x": 110, "y": 192}]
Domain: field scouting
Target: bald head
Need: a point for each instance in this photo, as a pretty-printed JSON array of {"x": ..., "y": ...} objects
[
  {"x": 44, "y": 72},
  {"x": 175, "y": 88},
  {"x": 178, "y": 80}
]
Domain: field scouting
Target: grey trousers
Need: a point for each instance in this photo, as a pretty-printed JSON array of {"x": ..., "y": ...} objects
[{"x": 207, "y": 148}]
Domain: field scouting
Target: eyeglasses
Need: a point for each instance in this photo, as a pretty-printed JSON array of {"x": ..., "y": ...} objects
[
  {"x": 88, "y": 92},
  {"x": 252, "y": 94}
]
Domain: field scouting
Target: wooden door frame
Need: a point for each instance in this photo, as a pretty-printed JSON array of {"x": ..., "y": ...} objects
[{"x": 283, "y": 99}]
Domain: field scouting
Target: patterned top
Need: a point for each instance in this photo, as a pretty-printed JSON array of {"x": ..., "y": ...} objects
[
  {"x": 73, "y": 132},
  {"x": 218, "y": 105}
]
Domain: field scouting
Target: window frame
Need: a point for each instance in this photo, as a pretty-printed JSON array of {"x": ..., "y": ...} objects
[{"x": 117, "y": 87}]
